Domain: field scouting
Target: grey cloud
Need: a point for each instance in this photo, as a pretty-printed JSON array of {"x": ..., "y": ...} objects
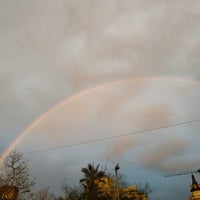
[
  {"x": 117, "y": 149},
  {"x": 153, "y": 115},
  {"x": 51, "y": 50},
  {"x": 105, "y": 48},
  {"x": 160, "y": 154}
]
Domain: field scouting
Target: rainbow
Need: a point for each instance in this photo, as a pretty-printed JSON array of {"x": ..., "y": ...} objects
[{"x": 82, "y": 93}]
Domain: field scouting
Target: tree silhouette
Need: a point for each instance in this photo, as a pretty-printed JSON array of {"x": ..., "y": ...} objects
[
  {"x": 16, "y": 172},
  {"x": 42, "y": 194},
  {"x": 71, "y": 192},
  {"x": 92, "y": 175}
]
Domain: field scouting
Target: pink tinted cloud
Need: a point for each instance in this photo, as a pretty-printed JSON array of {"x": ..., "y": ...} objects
[
  {"x": 165, "y": 153},
  {"x": 117, "y": 148}
]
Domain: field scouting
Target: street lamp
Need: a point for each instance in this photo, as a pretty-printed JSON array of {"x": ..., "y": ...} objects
[{"x": 116, "y": 175}]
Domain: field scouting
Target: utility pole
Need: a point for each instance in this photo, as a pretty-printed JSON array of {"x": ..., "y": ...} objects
[{"x": 117, "y": 180}]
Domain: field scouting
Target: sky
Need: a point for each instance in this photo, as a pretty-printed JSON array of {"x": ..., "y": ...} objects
[{"x": 99, "y": 78}]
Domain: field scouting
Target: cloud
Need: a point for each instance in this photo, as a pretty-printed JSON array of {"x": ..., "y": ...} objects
[
  {"x": 118, "y": 148},
  {"x": 83, "y": 44},
  {"x": 50, "y": 51},
  {"x": 163, "y": 153},
  {"x": 153, "y": 115}
]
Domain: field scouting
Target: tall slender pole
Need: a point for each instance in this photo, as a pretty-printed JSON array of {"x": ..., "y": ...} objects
[
  {"x": 117, "y": 186},
  {"x": 117, "y": 180}
]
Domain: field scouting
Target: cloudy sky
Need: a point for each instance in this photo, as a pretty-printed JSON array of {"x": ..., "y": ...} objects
[{"x": 74, "y": 71}]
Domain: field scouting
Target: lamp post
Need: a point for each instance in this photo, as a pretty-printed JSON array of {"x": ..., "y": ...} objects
[{"x": 116, "y": 176}]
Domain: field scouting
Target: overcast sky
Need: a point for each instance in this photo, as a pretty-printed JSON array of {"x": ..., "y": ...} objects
[{"x": 96, "y": 69}]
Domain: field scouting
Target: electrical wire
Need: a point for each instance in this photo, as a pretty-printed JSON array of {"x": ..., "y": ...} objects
[{"x": 111, "y": 137}]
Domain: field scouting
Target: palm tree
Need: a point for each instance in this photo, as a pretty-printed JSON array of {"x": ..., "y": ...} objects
[{"x": 92, "y": 175}]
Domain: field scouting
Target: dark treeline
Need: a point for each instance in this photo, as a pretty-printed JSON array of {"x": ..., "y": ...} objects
[{"x": 96, "y": 184}]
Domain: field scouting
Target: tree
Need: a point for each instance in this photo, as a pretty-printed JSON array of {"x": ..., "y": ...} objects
[
  {"x": 89, "y": 182},
  {"x": 42, "y": 194},
  {"x": 126, "y": 191},
  {"x": 16, "y": 172},
  {"x": 8, "y": 192},
  {"x": 146, "y": 189},
  {"x": 1, "y": 179},
  {"x": 122, "y": 180},
  {"x": 71, "y": 192}
]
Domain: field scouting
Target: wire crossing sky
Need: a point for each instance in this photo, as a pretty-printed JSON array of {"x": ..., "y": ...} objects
[{"x": 111, "y": 137}]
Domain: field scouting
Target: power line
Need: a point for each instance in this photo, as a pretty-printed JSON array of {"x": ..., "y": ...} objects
[{"x": 111, "y": 137}]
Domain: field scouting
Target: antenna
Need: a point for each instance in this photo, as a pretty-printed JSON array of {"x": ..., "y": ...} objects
[
  {"x": 183, "y": 173},
  {"x": 194, "y": 187}
]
